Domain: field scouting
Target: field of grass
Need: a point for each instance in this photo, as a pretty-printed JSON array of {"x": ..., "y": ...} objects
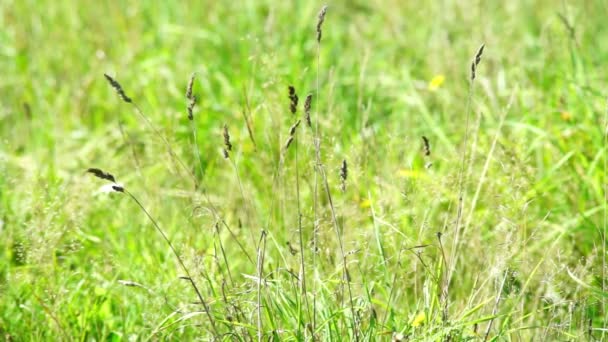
[{"x": 355, "y": 227}]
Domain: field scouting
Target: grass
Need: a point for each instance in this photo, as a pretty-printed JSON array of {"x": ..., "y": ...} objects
[{"x": 469, "y": 210}]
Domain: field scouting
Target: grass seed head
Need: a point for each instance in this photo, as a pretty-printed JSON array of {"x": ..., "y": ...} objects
[
  {"x": 476, "y": 61},
  {"x": 191, "y": 97},
  {"x": 118, "y": 188},
  {"x": 227, "y": 142},
  {"x": 190, "y": 108},
  {"x": 293, "y": 99},
  {"x": 293, "y": 128},
  {"x": 101, "y": 174},
  {"x": 426, "y": 146},
  {"x": 307, "y": 106},
  {"x": 118, "y": 88},
  {"x": 288, "y": 142},
  {"x": 189, "y": 88},
  {"x": 321, "y": 18},
  {"x": 343, "y": 174}
]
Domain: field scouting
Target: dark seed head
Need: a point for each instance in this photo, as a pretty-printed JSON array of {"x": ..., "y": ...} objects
[
  {"x": 227, "y": 142},
  {"x": 344, "y": 174},
  {"x": 190, "y": 108},
  {"x": 118, "y": 188},
  {"x": 307, "y": 106},
  {"x": 293, "y": 128},
  {"x": 321, "y": 19},
  {"x": 189, "y": 88},
  {"x": 288, "y": 143},
  {"x": 426, "y": 146},
  {"x": 118, "y": 88},
  {"x": 293, "y": 99},
  {"x": 101, "y": 174}
]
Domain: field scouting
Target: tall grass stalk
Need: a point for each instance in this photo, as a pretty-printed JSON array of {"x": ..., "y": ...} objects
[
  {"x": 461, "y": 174},
  {"x": 605, "y": 228},
  {"x": 316, "y": 143},
  {"x": 293, "y": 97},
  {"x": 260, "y": 274},
  {"x": 345, "y": 273},
  {"x": 496, "y": 303}
]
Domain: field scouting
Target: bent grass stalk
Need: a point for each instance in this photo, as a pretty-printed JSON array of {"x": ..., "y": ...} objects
[{"x": 119, "y": 188}]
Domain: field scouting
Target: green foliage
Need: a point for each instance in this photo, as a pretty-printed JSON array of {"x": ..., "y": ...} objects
[{"x": 529, "y": 260}]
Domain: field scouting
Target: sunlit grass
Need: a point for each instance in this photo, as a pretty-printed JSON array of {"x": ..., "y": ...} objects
[{"x": 79, "y": 263}]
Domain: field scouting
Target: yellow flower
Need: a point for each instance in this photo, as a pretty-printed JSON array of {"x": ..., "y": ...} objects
[
  {"x": 365, "y": 203},
  {"x": 419, "y": 319},
  {"x": 405, "y": 173},
  {"x": 566, "y": 115},
  {"x": 436, "y": 82}
]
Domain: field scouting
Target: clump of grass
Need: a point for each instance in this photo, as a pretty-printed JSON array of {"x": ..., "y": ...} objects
[
  {"x": 192, "y": 97},
  {"x": 119, "y": 188},
  {"x": 114, "y": 84}
]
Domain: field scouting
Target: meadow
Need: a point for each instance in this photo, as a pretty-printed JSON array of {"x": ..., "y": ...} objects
[{"x": 262, "y": 170}]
